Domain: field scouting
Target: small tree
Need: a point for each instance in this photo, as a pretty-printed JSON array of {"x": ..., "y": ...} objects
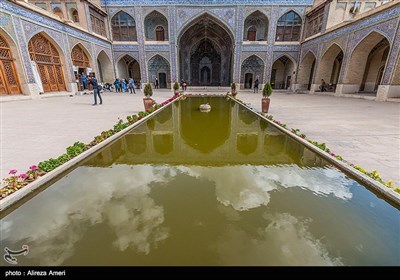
[
  {"x": 267, "y": 90},
  {"x": 176, "y": 86},
  {"x": 148, "y": 90}
]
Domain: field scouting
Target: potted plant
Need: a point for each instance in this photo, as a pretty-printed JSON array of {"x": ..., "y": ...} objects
[
  {"x": 176, "y": 88},
  {"x": 267, "y": 91},
  {"x": 234, "y": 91},
  {"x": 148, "y": 92}
]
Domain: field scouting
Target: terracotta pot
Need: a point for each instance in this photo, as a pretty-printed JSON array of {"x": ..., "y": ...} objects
[
  {"x": 265, "y": 104},
  {"x": 148, "y": 102}
]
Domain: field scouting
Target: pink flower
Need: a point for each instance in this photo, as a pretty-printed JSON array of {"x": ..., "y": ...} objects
[
  {"x": 23, "y": 176},
  {"x": 13, "y": 171},
  {"x": 33, "y": 167}
]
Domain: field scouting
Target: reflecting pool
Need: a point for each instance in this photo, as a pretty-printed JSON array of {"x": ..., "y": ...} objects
[{"x": 192, "y": 188}]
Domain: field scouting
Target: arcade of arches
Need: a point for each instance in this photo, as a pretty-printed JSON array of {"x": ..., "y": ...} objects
[
  {"x": 206, "y": 53},
  {"x": 363, "y": 74}
]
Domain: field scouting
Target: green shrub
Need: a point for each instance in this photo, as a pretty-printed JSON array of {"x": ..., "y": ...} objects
[
  {"x": 148, "y": 90},
  {"x": 267, "y": 90}
]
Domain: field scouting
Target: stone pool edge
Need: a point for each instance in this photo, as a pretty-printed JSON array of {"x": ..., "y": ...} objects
[
  {"x": 23, "y": 192},
  {"x": 369, "y": 182}
]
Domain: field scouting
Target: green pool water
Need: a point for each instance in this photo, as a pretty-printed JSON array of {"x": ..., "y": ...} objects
[{"x": 192, "y": 188}]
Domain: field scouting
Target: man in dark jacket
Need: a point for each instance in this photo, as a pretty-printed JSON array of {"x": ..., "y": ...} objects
[{"x": 95, "y": 85}]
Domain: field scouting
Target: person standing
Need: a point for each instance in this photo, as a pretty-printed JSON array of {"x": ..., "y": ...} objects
[
  {"x": 96, "y": 92},
  {"x": 322, "y": 87},
  {"x": 124, "y": 85},
  {"x": 255, "y": 88},
  {"x": 116, "y": 84},
  {"x": 156, "y": 83},
  {"x": 131, "y": 84},
  {"x": 84, "y": 81}
]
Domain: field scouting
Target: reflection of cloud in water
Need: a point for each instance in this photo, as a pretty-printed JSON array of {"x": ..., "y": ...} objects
[
  {"x": 247, "y": 187},
  {"x": 285, "y": 241},
  {"x": 119, "y": 197},
  {"x": 87, "y": 199}
]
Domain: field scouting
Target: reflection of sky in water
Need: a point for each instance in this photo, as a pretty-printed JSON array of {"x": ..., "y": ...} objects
[
  {"x": 120, "y": 198},
  {"x": 286, "y": 236}
]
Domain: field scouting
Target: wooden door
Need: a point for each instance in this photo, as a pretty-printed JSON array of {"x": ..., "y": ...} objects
[
  {"x": 48, "y": 61},
  {"x": 251, "y": 33},
  {"x": 160, "y": 33},
  {"x": 9, "y": 83},
  {"x": 162, "y": 77}
]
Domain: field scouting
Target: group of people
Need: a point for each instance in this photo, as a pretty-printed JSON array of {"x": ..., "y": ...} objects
[{"x": 122, "y": 85}]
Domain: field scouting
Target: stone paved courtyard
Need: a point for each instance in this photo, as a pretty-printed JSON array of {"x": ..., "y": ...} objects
[{"x": 364, "y": 132}]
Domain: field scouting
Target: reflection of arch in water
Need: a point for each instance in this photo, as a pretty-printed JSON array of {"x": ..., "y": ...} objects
[
  {"x": 246, "y": 143},
  {"x": 164, "y": 116},
  {"x": 136, "y": 143},
  {"x": 274, "y": 144},
  {"x": 246, "y": 116},
  {"x": 217, "y": 123},
  {"x": 163, "y": 142}
]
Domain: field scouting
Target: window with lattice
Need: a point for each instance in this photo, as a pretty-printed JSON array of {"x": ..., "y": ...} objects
[{"x": 288, "y": 27}]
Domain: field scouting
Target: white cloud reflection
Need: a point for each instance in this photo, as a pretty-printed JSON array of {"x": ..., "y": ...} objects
[
  {"x": 119, "y": 197},
  {"x": 284, "y": 241},
  {"x": 247, "y": 187},
  {"x": 91, "y": 198}
]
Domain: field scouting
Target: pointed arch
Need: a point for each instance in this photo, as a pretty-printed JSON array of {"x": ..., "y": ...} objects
[
  {"x": 123, "y": 27},
  {"x": 256, "y": 27},
  {"x": 128, "y": 67},
  {"x": 305, "y": 73},
  {"x": 374, "y": 32},
  {"x": 9, "y": 79},
  {"x": 156, "y": 26},
  {"x": 104, "y": 68},
  {"x": 252, "y": 68},
  {"x": 282, "y": 72},
  {"x": 48, "y": 57},
  {"x": 196, "y": 19},
  {"x": 73, "y": 14},
  {"x": 364, "y": 70},
  {"x": 159, "y": 68},
  {"x": 288, "y": 27},
  {"x": 80, "y": 56},
  {"x": 330, "y": 65},
  {"x": 205, "y": 46}
]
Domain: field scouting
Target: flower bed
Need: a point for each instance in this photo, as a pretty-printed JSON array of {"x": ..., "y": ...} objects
[{"x": 18, "y": 181}]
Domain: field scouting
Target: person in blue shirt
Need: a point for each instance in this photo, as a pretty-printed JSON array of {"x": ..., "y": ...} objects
[{"x": 84, "y": 81}]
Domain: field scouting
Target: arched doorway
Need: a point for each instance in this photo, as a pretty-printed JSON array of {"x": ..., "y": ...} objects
[
  {"x": 282, "y": 73},
  {"x": 256, "y": 27},
  {"x": 159, "y": 69},
  {"x": 248, "y": 80},
  {"x": 9, "y": 83},
  {"x": 105, "y": 68},
  {"x": 252, "y": 69},
  {"x": 366, "y": 62},
  {"x": 81, "y": 63},
  {"x": 306, "y": 71},
  {"x": 48, "y": 61},
  {"x": 330, "y": 67},
  {"x": 205, "y": 47},
  {"x": 128, "y": 67}
]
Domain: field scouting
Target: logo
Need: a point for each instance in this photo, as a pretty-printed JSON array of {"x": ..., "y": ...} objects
[{"x": 9, "y": 255}]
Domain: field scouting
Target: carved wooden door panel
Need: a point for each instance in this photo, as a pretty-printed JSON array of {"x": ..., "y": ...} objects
[
  {"x": 48, "y": 62},
  {"x": 9, "y": 83}
]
